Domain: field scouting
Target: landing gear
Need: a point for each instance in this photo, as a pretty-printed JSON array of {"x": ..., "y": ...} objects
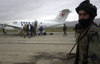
[{"x": 4, "y": 31}]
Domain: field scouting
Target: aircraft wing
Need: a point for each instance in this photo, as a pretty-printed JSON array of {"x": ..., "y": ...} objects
[
  {"x": 17, "y": 27},
  {"x": 14, "y": 26}
]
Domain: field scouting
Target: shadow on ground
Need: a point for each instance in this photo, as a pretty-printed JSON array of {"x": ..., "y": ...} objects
[{"x": 49, "y": 58}]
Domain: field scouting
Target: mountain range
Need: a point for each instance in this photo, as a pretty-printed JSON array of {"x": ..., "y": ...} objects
[{"x": 72, "y": 23}]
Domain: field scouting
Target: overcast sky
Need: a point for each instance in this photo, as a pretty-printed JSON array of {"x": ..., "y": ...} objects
[{"x": 39, "y": 9}]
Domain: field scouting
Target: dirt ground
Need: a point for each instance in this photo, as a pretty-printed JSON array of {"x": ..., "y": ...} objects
[{"x": 49, "y": 49}]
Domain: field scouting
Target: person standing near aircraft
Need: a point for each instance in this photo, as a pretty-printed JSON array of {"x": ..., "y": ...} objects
[
  {"x": 41, "y": 30},
  {"x": 65, "y": 29},
  {"x": 29, "y": 30},
  {"x": 21, "y": 32},
  {"x": 33, "y": 30},
  {"x": 35, "y": 27},
  {"x": 88, "y": 48},
  {"x": 25, "y": 30}
]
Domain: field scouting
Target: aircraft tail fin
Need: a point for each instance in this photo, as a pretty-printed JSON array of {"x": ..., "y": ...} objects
[{"x": 62, "y": 16}]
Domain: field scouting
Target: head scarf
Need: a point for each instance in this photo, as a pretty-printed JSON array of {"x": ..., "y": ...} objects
[{"x": 88, "y": 7}]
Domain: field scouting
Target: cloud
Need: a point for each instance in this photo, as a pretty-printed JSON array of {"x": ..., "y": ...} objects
[{"x": 31, "y": 9}]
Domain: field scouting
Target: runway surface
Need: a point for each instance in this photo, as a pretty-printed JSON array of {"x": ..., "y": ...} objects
[{"x": 49, "y": 49}]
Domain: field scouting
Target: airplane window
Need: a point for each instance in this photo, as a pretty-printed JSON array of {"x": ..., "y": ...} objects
[
  {"x": 14, "y": 22},
  {"x": 24, "y": 22},
  {"x": 32, "y": 22},
  {"x": 40, "y": 22}
]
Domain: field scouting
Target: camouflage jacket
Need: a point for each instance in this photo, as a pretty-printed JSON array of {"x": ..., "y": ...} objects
[{"x": 88, "y": 48}]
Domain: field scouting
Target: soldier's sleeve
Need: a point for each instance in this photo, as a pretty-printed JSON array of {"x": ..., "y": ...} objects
[{"x": 94, "y": 46}]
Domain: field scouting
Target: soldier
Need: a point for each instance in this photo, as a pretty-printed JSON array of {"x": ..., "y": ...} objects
[
  {"x": 64, "y": 29},
  {"x": 88, "y": 43},
  {"x": 35, "y": 27},
  {"x": 25, "y": 30},
  {"x": 33, "y": 30}
]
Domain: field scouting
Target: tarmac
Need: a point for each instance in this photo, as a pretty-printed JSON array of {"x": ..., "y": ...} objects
[{"x": 48, "y": 49}]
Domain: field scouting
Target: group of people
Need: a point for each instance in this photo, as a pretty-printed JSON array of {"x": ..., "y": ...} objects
[{"x": 28, "y": 30}]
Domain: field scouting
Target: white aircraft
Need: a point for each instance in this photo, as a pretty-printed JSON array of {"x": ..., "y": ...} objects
[{"x": 59, "y": 20}]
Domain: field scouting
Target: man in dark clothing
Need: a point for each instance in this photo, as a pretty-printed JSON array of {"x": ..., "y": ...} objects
[
  {"x": 25, "y": 30},
  {"x": 31, "y": 30},
  {"x": 88, "y": 43},
  {"x": 35, "y": 27},
  {"x": 65, "y": 29}
]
